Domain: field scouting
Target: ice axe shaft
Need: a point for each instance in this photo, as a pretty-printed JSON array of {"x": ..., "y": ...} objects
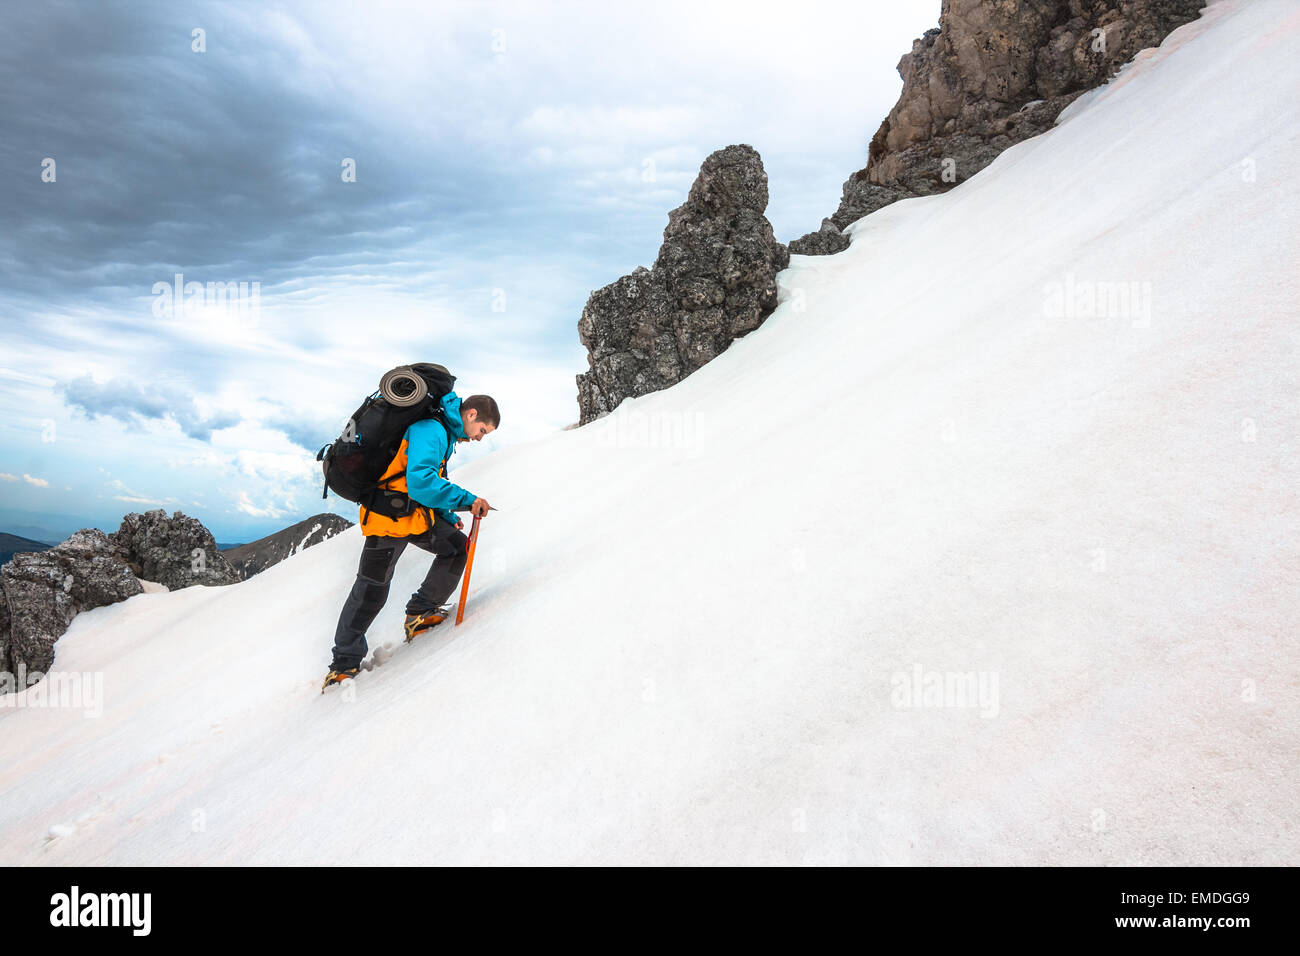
[{"x": 469, "y": 566}]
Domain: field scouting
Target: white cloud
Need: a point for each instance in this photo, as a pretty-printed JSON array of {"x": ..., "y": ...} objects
[
  {"x": 207, "y": 459},
  {"x": 38, "y": 482},
  {"x": 136, "y": 500},
  {"x": 276, "y": 466},
  {"x": 131, "y": 496},
  {"x": 43, "y": 381},
  {"x": 245, "y": 505},
  {"x": 5, "y": 476},
  {"x": 609, "y": 126}
]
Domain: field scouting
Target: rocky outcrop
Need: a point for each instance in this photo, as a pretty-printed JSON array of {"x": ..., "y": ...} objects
[
  {"x": 824, "y": 242},
  {"x": 41, "y": 592},
  {"x": 4, "y": 631},
  {"x": 44, "y": 591},
  {"x": 714, "y": 280},
  {"x": 992, "y": 75},
  {"x": 249, "y": 559},
  {"x": 177, "y": 552}
]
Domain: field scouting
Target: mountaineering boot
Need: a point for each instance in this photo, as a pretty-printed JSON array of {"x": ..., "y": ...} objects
[
  {"x": 336, "y": 676},
  {"x": 417, "y": 624}
]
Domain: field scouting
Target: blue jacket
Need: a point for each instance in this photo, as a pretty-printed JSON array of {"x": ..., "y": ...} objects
[{"x": 428, "y": 448}]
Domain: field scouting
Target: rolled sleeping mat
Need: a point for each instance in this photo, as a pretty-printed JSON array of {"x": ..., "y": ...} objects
[{"x": 402, "y": 387}]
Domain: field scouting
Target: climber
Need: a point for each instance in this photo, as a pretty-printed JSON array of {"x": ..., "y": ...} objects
[{"x": 420, "y": 469}]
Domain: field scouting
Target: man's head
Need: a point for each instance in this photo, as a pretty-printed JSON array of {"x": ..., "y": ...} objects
[{"x": 480, "y": 416}]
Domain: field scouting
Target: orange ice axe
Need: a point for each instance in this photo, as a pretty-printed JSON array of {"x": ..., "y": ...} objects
[{"x": 469, "y": 566}]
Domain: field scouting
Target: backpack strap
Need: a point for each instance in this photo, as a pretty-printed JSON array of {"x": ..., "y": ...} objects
[
  {"x": 323, "y": 456},
  {"x": 451, "y": 438}
]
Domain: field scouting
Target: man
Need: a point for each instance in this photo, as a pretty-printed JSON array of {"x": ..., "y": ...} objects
[{"x": 420, "y": 469}]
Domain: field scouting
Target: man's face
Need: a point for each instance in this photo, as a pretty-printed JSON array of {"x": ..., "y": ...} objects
[{"x": 474, "y": 428}]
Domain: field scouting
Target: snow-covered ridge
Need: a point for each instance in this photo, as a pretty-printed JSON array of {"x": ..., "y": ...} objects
[{"x": 256, "y": 556}]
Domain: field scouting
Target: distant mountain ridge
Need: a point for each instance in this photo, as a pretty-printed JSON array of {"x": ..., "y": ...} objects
[
  {"x": 256, "y": 556},
  {"x": 11, "y": 544}
]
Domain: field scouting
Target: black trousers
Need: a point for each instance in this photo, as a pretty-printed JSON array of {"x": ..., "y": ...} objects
[{"x": 374, "y": 575}]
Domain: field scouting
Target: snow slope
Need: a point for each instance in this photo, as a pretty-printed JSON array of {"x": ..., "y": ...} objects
[{"x": 693, "y": 622}]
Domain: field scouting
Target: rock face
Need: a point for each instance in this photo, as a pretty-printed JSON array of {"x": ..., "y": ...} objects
[
  {"x": 177, "y": 552},
  {"x": 713, "y": 281},
  {"x": 824, "y": 242},
  {"x": 249, "y": 559},
  {"x": 991, "y": 75},
  {"x": 5, "y": 621},
  {"x": 41, "y": 592},
  {"x": 44, "y": 591}
]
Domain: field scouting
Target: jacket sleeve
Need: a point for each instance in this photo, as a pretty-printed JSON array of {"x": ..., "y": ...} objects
[{"x": 426, "y": 446}]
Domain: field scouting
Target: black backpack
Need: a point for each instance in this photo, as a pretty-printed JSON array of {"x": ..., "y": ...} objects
[{"x": 353, "y": 462}]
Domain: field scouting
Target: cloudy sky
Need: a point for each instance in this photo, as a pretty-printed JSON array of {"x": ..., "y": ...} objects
[{"x": 392, "y": 182}]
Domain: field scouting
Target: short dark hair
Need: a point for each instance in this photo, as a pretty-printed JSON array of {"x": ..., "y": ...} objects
[{"x": 486, "y": 407}]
